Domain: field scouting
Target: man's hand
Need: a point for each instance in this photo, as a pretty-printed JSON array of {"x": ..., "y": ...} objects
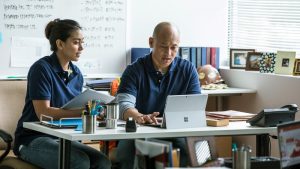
[{"x": 147, "y": 118}]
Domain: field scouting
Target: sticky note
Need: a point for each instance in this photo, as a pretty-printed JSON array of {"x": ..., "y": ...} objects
[{"x": 0, "y": 38}]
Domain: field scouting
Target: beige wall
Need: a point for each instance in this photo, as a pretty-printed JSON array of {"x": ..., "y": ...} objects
[{"x": 273, "y": 91}]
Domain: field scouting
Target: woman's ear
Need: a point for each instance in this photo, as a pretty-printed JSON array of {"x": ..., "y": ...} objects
[
  {"x": 151, "y": 42},
  {"x": 59, "y": 44}
]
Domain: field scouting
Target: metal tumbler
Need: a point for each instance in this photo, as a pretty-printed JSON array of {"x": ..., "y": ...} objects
[
  {"x": 241, "y": 158},
  {"x": 112, "y": 115},
  {"x": 88, "y": 124}
]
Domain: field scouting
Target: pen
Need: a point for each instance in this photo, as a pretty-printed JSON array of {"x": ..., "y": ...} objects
[{"x": 88, "y": 109}]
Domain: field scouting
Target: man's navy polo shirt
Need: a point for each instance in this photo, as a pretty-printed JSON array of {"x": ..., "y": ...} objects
[
  {"x": 46, "y": 82},
  {"x": 151, "y": 88}
]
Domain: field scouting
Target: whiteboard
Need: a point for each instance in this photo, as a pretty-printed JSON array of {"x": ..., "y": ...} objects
[{"x": 22, "y": 39}]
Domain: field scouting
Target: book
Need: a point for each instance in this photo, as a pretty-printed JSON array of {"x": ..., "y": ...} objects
[
  {"x": 217, "y": 122},
  {"x": 80, "y": 100}
]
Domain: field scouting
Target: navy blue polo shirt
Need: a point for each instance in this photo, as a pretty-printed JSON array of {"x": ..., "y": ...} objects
[
  {"x": 46, "y": 81},
  {"x": 151, "y": 88}
]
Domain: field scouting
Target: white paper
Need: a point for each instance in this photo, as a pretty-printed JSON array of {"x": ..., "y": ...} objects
[{"x": 89, "y": 94}]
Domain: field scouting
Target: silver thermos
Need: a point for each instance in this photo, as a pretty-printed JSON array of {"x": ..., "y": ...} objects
[{"x": 241, "y": 157}]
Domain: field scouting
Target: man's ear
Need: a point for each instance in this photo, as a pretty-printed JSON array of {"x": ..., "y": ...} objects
[
  {"x": 59, "y": 44},
  {"x": 151, "y": 42}
]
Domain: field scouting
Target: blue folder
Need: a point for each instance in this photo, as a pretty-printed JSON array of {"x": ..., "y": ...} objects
[{"x": 64, "y": 123}]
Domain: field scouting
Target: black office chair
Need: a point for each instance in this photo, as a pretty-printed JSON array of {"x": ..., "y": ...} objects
[{"x": 12, "y": 162}]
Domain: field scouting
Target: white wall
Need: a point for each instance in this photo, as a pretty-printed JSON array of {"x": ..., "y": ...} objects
[
  {"x": 273, "y": 91},
  {"x": 201, "y": 22}
]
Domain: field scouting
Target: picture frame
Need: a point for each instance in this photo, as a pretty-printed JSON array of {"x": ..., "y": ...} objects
[
  {"x": 296, "y": 71},
  {"x": 267, "y": 62},
  {"x": 238, "y": 58},
  {"x": 284, "y": 62},
  {"x": 252, "y": 62}
]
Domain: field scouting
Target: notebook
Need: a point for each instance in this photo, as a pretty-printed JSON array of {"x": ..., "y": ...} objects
[
  {"x": 289, "y": 144},
  {"x": 184, "y": 111}
]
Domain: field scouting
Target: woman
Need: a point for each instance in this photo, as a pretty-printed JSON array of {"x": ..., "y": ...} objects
[{"x": 53, "y": 81}]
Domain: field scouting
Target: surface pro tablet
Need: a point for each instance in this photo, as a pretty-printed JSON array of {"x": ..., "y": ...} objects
[{"x": 184, "y": 111}]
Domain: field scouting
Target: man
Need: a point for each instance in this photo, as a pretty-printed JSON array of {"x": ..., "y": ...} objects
[{"x": 146, "y": 84}]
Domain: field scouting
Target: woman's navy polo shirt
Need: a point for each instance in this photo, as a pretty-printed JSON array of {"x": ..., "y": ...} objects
[
  {"x": 46, "y": 82},
  {"x": 151, "y": 88}
]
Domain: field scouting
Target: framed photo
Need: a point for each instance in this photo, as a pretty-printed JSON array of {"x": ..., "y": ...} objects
[
  {"x": 296, "y": 71},
  {"x": 238, "y": 58},
  {"x": 267, "y": 62},
  {"x": 284, "y": 62},
  {"x": 252, "y": 62}
]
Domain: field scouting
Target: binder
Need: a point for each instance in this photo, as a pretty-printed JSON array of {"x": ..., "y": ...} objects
[
  {"x": 213, "y": 57},
  {"x": 217, "y": 58},
  {"x": 203, "y": 54},
  {"x": 198, "y": 56},
  {"x": 138, "y": 52},
  {"x": 193, "y": 56},
  {"x": 185, "y": 53},
  {"x": 208, "y": 61}
]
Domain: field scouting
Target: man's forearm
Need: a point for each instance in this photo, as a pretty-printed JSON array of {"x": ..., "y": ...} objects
[{"x": 131, "y": 112}]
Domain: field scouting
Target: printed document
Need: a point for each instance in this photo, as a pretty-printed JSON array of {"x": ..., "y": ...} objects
[{"x": 89, "y": 94}]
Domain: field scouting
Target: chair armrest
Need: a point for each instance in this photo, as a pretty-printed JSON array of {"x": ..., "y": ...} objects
[
  {"x": 5, "y": 136},
  {"x": 7, "y": 139}
]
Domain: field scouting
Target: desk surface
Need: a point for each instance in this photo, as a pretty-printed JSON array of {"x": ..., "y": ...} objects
[
  {"x": 234, "y": 128},
  {"x": 228, "y": 91}
]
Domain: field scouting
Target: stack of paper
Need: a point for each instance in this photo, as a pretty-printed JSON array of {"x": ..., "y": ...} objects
[
  {"x": 102, "y": 84},
  {"x": 232, "y": 115}
]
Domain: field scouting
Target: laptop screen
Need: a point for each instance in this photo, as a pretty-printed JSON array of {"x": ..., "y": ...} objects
[{"x": 289, "y": 145}]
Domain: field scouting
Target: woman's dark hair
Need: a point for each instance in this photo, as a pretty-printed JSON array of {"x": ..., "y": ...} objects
[{"x": 60, "y": 29}]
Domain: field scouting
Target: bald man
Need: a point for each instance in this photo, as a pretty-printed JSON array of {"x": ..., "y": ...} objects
[{"x": 146, "y": 84}]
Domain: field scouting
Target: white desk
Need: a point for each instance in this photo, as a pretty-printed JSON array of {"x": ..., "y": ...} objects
[
  {"x": 219, "y": 93},
  {"x": 68, "y": 135}
]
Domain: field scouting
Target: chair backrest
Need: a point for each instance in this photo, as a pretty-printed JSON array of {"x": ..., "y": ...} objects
[{"x": 201, "y": 150}]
